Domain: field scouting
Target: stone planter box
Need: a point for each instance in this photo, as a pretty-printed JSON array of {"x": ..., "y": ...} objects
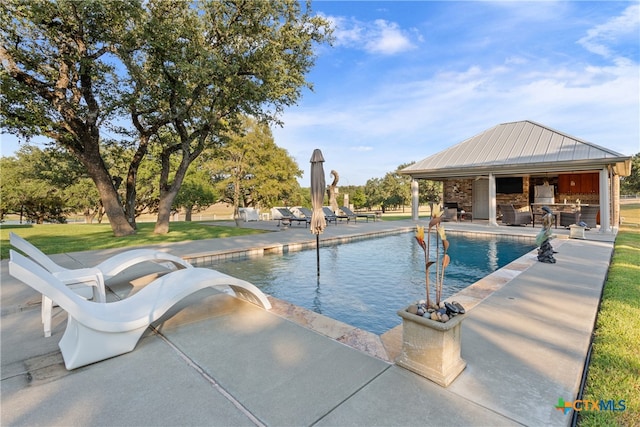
[
  {"x": 576, "y": 232},
  {"x": 431, "y": 348}
]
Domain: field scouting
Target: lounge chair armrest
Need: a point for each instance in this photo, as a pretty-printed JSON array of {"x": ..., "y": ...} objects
[{"x": 85, "y": 276}]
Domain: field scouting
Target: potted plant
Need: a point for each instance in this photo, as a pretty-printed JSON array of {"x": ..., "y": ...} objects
[{"x": 431, "y": 330}]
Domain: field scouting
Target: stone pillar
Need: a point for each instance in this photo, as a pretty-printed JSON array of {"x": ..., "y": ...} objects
[
  {"x": 415, "y": 200},
  {"x": 615, "y": 200},
  {"x": 605, "y": 201},
  {"x": 492, "y": 200}
]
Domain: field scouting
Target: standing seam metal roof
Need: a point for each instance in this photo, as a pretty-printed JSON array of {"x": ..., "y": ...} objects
[{"x": 516, "y": 144}]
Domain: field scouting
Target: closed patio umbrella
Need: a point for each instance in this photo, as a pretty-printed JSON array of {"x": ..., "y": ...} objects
[{"x": 318, "y": 184}]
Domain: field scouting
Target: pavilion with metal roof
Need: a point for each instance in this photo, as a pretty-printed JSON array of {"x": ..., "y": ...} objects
[{"x": 520, "y": 156}]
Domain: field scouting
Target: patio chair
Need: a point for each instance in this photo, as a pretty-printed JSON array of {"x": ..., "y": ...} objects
[
  {"x": 451, "y": 211},
  {"x": 90, "y": 282},
  {"x": 569, "y": 218},
  {"x": 513, "y": 216},
  {"x": 306, "y": 212},
  {"x": 589, "y": 215},
  {"x": 97, "y": 330},
  {"x": 345, "y": 210},
  {"x": 330, "y": 216},
  {"x": 249, "y": 214},
  {"x": 289, "y": 217}
]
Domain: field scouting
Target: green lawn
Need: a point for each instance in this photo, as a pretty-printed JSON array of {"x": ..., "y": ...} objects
[
  {"x": 630, "y": 214},
  {"x": 614, "y": 370},
  {"x": 59, "y": 238}
]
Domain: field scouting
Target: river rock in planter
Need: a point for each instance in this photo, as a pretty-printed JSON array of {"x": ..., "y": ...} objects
[{"x": 451, "y": 309}]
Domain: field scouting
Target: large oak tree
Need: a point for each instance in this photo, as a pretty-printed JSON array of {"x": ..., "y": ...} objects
[
  {"x": 250, "y": 170},
  {"x": 175, "y": 74}
]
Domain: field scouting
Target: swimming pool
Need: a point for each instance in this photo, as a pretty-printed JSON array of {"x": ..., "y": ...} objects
[{"x": 364, "y": 283}]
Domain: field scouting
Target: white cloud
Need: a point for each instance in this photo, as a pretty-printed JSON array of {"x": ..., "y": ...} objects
[
  {"x": 600, "y": 38},
  {"x": 379, "y": 37},
  {"x": 345, "y": 33},
  {"x": 387, "y": 38}
]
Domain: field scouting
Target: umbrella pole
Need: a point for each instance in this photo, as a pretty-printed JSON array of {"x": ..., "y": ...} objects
[{"x": 318, "y": 253}]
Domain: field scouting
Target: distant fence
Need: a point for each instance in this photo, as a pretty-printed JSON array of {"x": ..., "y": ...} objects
[{"x": 627, "y": 199}]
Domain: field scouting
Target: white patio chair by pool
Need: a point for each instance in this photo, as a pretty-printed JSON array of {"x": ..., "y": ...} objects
[
  {"x": 91, "y": 281},
  {"x": 249, "y": 214},
  {"x": 99, "y": 330}
]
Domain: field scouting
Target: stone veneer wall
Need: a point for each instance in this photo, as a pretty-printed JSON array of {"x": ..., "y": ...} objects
[{"x": 461, "y": 191}]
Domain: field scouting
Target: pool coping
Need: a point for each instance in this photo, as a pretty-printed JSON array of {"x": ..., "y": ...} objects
[
  {"x": 206, "y": 258},
  {"x": 386, "y": 346}
]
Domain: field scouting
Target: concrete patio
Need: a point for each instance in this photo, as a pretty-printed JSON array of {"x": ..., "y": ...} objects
[{"x": 215, "y": 360}]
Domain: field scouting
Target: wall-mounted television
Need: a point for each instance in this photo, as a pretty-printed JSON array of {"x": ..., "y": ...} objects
[{"x": 510, "y": 185}]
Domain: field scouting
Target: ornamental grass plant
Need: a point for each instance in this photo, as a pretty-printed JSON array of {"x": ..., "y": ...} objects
[
  {"x": 439, "y": 310},
  {"x": 440, "y": 263}
]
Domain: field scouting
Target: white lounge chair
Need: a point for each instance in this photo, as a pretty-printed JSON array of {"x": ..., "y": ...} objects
[
  {"x": 97, "y": 331},
  {"x": 91, "y": 279},
  {"x": 249, "y": 214}
]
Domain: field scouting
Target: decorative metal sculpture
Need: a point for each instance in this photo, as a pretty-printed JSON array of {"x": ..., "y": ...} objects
[
  {"x": 545, "y": 250},
  {"x": 331, "y": 191}
]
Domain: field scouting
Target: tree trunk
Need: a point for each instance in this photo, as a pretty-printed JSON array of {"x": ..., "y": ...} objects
[
  {"x": 113, "y": 210},
  {"x": 89, "y": 215},
  {"x": 108, "y": 195},
  {"x": 132, "y": 176},
  {"x": 164, "y": 214},
  {"x": 164, "y": 206},
  {"x": 168, "y": 192},
  {"x": 187, "y": 213},
  {"x": 236, "y": 201}
]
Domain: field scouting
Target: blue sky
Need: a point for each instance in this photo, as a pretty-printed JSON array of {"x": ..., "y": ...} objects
[{"x": 405, "y": 80}]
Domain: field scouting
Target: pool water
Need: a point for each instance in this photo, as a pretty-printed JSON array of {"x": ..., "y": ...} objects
[{"x": 366, "y": 282}]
